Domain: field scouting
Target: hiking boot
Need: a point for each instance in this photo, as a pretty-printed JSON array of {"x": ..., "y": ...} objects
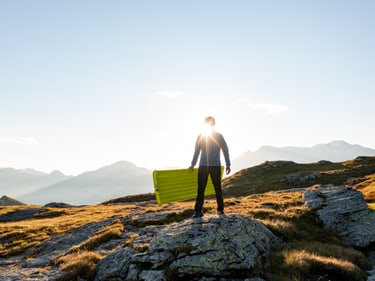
[
  {"x": 220, "y": 213},
  {"x": 198, "y": 215}
]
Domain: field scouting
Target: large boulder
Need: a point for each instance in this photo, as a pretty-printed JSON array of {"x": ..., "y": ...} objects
[
  {"x": 213, "y": 246},
  {"x": 344, "y": 211}
]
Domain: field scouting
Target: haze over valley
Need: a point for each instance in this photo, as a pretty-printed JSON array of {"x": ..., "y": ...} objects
[{"x": 124, "y": 178}]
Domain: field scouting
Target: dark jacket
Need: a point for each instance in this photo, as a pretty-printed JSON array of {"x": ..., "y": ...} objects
[{"x": 208, "y": 147}]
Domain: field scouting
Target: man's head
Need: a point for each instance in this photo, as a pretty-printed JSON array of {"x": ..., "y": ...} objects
[{"x": 209, "y": 121}]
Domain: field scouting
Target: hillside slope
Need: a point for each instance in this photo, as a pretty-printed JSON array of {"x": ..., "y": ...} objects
[{"x": 275, "y": 175}]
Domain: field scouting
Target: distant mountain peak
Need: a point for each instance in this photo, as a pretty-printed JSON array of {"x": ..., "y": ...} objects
[
  {"x": 336, "y": 143},
  {"x": 56, "y": 173},
  {"x": 334, "y": 151},
  {"x": 8, "y": 201}
]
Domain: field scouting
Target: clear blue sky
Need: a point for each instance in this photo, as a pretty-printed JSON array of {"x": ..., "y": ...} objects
[{"x": 84, "y": 84}]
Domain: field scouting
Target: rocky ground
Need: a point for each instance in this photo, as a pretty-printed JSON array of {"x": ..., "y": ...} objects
[{"x": 215, "y": 247}]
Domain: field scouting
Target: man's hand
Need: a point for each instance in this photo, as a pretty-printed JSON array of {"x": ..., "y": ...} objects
[
  {"x": 227, "y": 170},
  {"x": 191, "y": 168}
]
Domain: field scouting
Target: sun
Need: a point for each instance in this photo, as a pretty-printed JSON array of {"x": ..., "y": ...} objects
[{"x": 207, "y": 130}]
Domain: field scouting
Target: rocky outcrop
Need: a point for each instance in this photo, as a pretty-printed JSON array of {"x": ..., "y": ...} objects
[
  {"x": 61, "y": 244},
  {"x": 301, "y": 178},
  {"x": 212, "y": 247},
  {"x": 225, "y": 247},
  {"x": 20, "y": 215},
  {"x": 8, "y": 201},
  {"x": 344, "y": 211},
  {"x": 58, "y": 205}
]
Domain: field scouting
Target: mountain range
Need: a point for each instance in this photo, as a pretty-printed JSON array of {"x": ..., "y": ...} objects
[
  {"x": 335, "y": 151},
  {"x": 33, "y": 187},
  {"x": 124, "y": 178}
]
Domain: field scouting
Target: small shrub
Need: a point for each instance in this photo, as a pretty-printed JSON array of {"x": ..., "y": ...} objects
[{"x": 79, "y": 265}]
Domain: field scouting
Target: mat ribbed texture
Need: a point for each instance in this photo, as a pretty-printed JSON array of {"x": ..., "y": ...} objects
[{"x": 178, "y": 185}]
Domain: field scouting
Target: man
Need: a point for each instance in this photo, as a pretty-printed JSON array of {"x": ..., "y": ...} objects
[{"x": 208, "y": 146}]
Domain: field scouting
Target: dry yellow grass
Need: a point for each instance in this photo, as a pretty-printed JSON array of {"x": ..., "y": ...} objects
[
  {"x": 307, "y": 263},
  {"x": 17, "y": 236},
  {"x": 304, "y": 258},
  {"x": 79, "y": 265},
  {"x": 309, "y": 246},
  {"x": 367, "y": 187},
  {"x": 110, "y": 232}
]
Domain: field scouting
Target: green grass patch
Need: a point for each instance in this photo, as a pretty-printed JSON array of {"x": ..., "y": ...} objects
[{"x": 273, "y": 175}]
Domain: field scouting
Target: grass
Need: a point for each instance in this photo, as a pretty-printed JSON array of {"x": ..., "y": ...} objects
[
  {"x": 306, "y": 265},
  {"x": 267, "y": 176},
  {"x": 309, "y": 247},
  {"x": 17, "y": 237},
  {"x": 78, "y": 266},
  {"x": 310, "y": 252},
  {"x": 367, "y": 186},
  {"x": 111, "y": 232}
]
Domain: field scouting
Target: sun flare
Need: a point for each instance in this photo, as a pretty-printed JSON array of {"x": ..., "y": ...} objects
[{"x": 207, "y": 130}]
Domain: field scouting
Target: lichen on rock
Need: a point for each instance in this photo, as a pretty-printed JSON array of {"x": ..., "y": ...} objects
[
  {"x": 213, "y": 246},
  {"x": 344, "y": 211}
]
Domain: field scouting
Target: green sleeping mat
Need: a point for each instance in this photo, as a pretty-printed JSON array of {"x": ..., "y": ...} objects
[{"x": 178, "y": 185}]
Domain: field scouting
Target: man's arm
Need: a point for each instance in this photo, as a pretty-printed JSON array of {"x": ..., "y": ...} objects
[
  {"x": 197, "y": 150},
  {"x": 225, "y": 149}
]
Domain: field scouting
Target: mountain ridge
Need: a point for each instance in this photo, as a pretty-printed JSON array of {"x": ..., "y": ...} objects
[
  {"x": 335, "y": 151},
  {"x": 118, "y": 179},
  {"x": 125, "y": 178}
]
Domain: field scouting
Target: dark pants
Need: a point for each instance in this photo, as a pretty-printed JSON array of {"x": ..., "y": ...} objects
[{"x": 215, "y": 173}]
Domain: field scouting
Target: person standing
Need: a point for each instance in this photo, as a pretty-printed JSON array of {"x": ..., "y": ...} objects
[{"x": 208, "y": 147}]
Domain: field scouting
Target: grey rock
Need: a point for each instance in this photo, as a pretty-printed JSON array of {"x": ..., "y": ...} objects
[
  {"x": 15, "y": 272},
  {"x": 154, "y": 216},
  {"x": 133, "y": 272},
  {"x": 58, "y": 205},
  {"x": 114, "y": 266},
  {"x": 255, "y": 279},
  {"x": 301, "y": 178},
  {"x": 277, "y": 164},
  {"x": 152, "y": 275},
  {"x": 371, "y": 273},
  {"x": 344, "y": 211},
  {"x": 20, "y": 215},
  {"x": 211, "y": 248},
  {"x": 213, "y": 245},
  {"x": 108, "y": 247},
  {"x": 312, "y": 198},
  {"x": 61, "y": 244}
]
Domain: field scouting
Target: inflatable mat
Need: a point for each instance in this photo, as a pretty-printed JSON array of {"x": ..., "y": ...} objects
[{"x": 178, "y": 185}]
